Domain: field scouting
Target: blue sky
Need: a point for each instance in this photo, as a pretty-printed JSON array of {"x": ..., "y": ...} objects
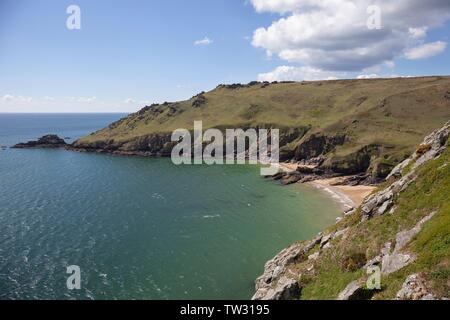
[{"x": 136, "y": 52}]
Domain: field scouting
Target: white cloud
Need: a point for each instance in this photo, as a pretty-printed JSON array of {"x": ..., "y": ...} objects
[
  {"x": 289, "y": 73},
  {"x": 11, "y": 98},
  {"x": 47, "y": 98},
  {"x": 333, "y": 34},
  {"x": 280, "y": 6},
  {"x": 203, "y": 42},
  {"x": 417, "y": 33},
  {"x": 368, "y": 76},
  {"x": 7, "y": 97},
  {"x": 129, "y": 100},
  {"x": 425, "y": 50}
]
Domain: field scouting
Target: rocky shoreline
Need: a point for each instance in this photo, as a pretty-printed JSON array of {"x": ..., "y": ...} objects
[
  {"x": 281, "y": 279},
  {"x": 290, "y": 172}
]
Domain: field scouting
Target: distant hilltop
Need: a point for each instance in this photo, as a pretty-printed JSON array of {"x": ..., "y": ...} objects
[{"x": 351, "y": 127}]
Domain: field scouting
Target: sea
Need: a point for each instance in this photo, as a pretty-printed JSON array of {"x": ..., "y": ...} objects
[{"x": 138, "y": 228}]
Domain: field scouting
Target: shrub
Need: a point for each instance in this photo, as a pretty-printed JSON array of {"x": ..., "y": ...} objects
[{"x": 354, "y": 262}]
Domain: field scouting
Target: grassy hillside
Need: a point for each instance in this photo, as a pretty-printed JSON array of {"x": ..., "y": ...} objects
[
  {"x": 429, "y": 193},
  {"x": 402, "y": 230},
  {"x": 381, "y": 119}
]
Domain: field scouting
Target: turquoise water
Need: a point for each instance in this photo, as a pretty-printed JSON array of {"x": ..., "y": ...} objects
[{"x": 138, "y": 228}]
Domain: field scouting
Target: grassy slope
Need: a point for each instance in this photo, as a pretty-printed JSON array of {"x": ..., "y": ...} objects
[
  {"x": 430, "y": 192},
  {"x": 395, "y": 113}
]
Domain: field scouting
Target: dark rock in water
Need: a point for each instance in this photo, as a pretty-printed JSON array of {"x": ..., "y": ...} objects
[
  {"x": 47, "y": 141},
  {"x": 291, "y": 178},
  {"x": 279, "y": 176}
]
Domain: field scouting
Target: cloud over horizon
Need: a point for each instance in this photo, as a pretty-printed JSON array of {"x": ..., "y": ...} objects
[
  {"x": 286, "y": 73},
  {"x": 426, "y": 50}
]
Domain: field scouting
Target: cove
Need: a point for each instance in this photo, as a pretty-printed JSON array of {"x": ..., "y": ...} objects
[{"x": 142, "y": 228}]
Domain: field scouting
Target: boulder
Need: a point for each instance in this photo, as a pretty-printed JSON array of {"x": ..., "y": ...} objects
[
  {"x": 276, "y": 282},
  {"x": 291, "y": 178},
  {"x": 394, "y": 262},
  {"x": 397, "y": 171},
  {"x": 285, "y": 289},
  {"x": 431, "y": 148}
]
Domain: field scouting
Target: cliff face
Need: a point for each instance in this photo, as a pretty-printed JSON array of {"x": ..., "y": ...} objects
[
  {"x": 402, "y": 231},
  {"x": 346, "y": 126}
]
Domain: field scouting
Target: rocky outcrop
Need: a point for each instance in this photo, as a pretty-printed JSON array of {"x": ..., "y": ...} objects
[
  {"x": 47, "y": 141},
  {"x": 353, "y": 163},
  {"x": 286, "y": 289},
  {"x": 353, "y": 290},
  {"x": 199, "y": 100},
  {"x": 287, "y": 178},
  {"x": 300, "y": 259},
  {"x": 316, "y": 145},
  {"x": 415, "y": 288},
  {"x": 149, "y": 145},
  {"x": 277, "y": 281},
  {"x": 396, "y": 260},
  {"x": 390, "y": 262},
  {"x": 431, "y": 148}
]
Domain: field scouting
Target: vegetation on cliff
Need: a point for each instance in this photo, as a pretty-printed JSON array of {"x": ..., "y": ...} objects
[
  {"x": 403, "y": 229},
  {"x": 345, "y": 126}
]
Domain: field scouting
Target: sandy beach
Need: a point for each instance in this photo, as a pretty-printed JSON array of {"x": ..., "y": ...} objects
[{"x": 349, "y": 196}]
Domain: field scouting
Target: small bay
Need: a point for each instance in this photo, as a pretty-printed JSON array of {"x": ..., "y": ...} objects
[{"x": 138, "y": 228}]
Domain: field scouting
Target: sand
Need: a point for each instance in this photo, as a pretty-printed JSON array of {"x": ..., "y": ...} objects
[{"x": 349, "y": 196}]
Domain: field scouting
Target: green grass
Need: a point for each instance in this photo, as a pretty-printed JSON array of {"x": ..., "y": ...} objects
[
  {"x": 390, "y": 115},
  {"x": 429, "y": 193},
  {"x": 333, "y": 106}
]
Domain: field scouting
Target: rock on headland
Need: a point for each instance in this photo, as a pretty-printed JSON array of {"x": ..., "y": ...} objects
[{"x": 46, "y": 142}]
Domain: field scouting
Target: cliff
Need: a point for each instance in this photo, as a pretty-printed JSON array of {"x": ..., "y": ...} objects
[
  {"x": 402, "y": 231},
  {"x": 344, "y": 127}
]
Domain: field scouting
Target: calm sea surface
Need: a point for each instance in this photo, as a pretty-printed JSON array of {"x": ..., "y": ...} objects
[{"x": 138, "y": 228}]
